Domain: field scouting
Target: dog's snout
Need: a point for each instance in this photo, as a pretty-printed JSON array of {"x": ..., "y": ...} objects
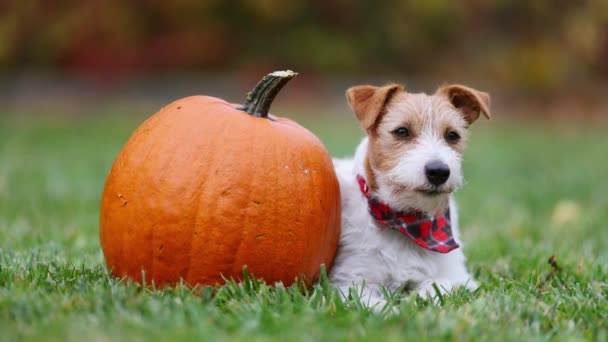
[{"x": 437, "y": 172}]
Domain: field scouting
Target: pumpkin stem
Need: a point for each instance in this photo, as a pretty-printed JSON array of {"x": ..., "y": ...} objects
[{"x": 260, "y": 98}]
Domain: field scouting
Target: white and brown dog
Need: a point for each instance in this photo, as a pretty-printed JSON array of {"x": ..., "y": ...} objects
[{"x": 399, "y": 220}]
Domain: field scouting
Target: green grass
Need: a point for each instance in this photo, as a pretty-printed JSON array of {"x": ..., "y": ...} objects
[{"x": 53, "y": 285}]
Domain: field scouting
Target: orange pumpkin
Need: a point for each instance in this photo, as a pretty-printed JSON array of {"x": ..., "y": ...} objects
[{"x": 203, "y": 188}]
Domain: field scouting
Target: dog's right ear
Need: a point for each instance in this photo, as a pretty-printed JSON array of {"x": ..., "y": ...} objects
[{"x": 368, "y": 102}]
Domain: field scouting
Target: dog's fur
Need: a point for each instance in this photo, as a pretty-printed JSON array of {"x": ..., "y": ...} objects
[{"x": 372, "y": 256}]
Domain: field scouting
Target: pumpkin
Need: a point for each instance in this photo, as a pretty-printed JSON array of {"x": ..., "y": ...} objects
[{"x": 204, "y": 188}]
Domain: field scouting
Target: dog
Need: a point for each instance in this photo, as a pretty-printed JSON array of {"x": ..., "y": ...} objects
[{"x": 399, "y": 218}]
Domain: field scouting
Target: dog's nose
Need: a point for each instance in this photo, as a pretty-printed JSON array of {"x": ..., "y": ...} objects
[{"x": 437, "y": 172}]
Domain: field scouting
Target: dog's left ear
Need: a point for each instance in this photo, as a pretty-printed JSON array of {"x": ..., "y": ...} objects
[
  {"x": 368, "y": 102},
  {"x": 469, "y": 101}
]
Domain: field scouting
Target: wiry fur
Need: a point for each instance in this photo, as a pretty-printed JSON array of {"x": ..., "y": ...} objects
[{"x": 378, "y": 256}]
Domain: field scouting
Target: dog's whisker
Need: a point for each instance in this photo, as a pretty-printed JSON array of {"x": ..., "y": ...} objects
[{"x": 398, "y": 190}]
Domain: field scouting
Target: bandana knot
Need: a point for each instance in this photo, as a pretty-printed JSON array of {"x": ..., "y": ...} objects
[{"x": 433, "y": 233}]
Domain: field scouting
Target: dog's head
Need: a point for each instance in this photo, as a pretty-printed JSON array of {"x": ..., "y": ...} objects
[{"x": 416, "y": 141}]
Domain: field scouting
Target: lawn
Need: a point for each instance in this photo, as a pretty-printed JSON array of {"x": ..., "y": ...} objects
[{"x": 532, "y": 192}]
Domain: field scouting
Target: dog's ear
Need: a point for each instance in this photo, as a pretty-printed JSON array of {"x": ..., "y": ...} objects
[
  {"x": 469, "y": 101},
  {"x": 368, "y": 102}
]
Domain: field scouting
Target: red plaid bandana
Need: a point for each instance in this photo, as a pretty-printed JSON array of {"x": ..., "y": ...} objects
[{"x": 432, "y": 233}]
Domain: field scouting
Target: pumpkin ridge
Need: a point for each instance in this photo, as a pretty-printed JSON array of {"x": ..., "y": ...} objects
[
  {"x": 289, "y": 188},
  {"x": 277, "y": 166},
  {"x": 135, "y": 138},
  {"x": 202, "y": 187},
  {"x": 194, "y": 227},
  {"x": 137, "y": 194},
  {"x": 169, "y": 162},
  {"x": 318, "y": 190},
  {"x": 213, "y": 234},
  {"x": 244, "y": 233}
]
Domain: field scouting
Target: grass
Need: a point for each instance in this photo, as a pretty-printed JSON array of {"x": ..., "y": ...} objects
[{"x": 533, "y": 191}]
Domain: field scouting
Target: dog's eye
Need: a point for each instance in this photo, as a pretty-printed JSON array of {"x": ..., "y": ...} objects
[
  {"x": 401, "y": 132},
  {"x": 452, "y": 137}
]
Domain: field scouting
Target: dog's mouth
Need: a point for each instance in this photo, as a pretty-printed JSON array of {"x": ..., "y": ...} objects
[
  {"x": 424, "y": 190},
  {"x": 432, "y": 191}
]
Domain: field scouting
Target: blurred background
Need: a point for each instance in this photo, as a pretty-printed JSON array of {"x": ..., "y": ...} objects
[{"x": 544, "y": 58}]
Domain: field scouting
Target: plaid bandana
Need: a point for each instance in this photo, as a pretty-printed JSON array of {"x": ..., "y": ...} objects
[{"x": 432, "y": 233}]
